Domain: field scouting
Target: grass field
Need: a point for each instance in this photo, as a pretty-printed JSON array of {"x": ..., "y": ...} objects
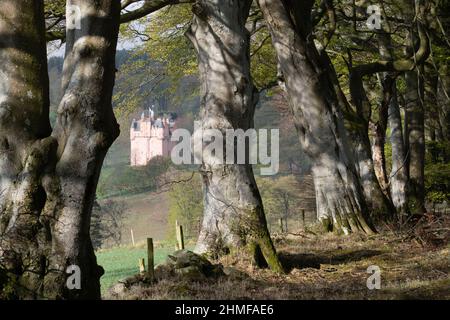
[{"x": 122, "y": 262}]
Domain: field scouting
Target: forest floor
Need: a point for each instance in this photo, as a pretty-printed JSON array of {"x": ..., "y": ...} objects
[{"x": 326, "y": 266}]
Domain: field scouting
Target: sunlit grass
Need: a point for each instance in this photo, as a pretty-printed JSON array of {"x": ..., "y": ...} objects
[{"x": 123, "y": 262}]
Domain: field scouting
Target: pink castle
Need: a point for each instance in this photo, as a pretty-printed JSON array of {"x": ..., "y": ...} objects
[{"x": 150, "y": 137}]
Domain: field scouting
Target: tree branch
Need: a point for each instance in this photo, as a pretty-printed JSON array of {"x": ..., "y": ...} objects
[{"x": 147, "y": 8}]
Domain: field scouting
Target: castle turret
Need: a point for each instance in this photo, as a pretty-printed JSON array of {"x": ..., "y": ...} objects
[{"x": 150, "y": 137}]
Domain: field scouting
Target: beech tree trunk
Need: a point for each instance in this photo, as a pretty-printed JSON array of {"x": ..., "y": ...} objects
[
  {"x": 415, "y": 141},
  {"x": 389, "y": 113},
  {"x": 399, "y": 176},
  {"x": 443, "y": 98},
  {"x": 379, "y": 204},
  {"x": 48, "y": 179},
  {"x": 356, "y": 123},
  {"x": 414, "y": 134},
  {"x": 339, "y": 195},
  {"x": 379, "y": 158},
  {"x": 378, "y": 155},
  {"x": 369, "y": 158},
  {"x": 233, "y": 214},
  {"x": 25, "y": 146},
  {"x": 380, "y": 207},
  {"x": 387, "y": 82}
]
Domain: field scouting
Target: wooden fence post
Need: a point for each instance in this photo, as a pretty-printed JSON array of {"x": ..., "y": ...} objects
[
  {"x": 180, "y": 238},
  {"x": 303, "y": 219},
  {"x": 142, "y": 265},
  {"x": 150, "y": 259},
  {"x": 132, "y": 237}
]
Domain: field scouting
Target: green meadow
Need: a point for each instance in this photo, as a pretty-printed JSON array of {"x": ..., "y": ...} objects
[{"x": 123, "y": 262}]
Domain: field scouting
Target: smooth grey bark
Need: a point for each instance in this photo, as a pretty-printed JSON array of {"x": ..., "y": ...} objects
[
  {"x": 379, "y": 204},
  {"x": 24, "y": 142},
  {"x": 370, "y": 156},
  {"x": 46, "y": 208},
  {"x": 443, "y": 99},
  {"x": 356, "y": 119},
  {"x": 379, "y": 157},
  {"x": 379, "y": 135},
  {"x": 415, "y": 141},
  {"x": 233, "y": 214},
  {"x": 414, "y": 135},
  {"x": 317, "y": 116},
  {"x": 398, "y": 178},
  {"x": 432, "y": 108}
]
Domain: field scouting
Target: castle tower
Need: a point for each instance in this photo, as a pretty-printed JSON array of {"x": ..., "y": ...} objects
[{"x": 150, "y": 137}]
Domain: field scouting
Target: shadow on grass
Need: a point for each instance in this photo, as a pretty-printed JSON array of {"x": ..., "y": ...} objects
[
  {"x": 425, "y": 290},
  {"x": 306, "y": 260},
  {"x": 122, "y": 273}
]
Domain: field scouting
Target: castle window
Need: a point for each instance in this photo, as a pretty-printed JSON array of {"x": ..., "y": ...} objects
[{"x": 136, "y": 126}]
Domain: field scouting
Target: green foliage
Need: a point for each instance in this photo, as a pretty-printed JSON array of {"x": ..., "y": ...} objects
[
  {"x": 437, "y": 182},
  {"x": 136, "y": 91},
  {"x": 7, "y": 286},
  {"x": 138, "y": 85},
  {"x": 55, "y": 7},
  {"x": 437, "y": 151},
  {"x": 263, "y": 59},
  {"x": 185, "y": 205},
  {"x": 437, "y": 172},
  {"x": 107, "y": 223},
  {"x": 168, "y": 43},
  {"x": 281, "y": 198},
  {"x": 388, "y": 155},
  {"x": 165, "y": 43},
  {"x": 269, "y": 114},
  {"x": 123, "y": 179}
]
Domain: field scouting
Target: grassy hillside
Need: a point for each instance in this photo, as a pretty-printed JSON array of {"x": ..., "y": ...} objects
[{"x": 146, "y": 213}]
